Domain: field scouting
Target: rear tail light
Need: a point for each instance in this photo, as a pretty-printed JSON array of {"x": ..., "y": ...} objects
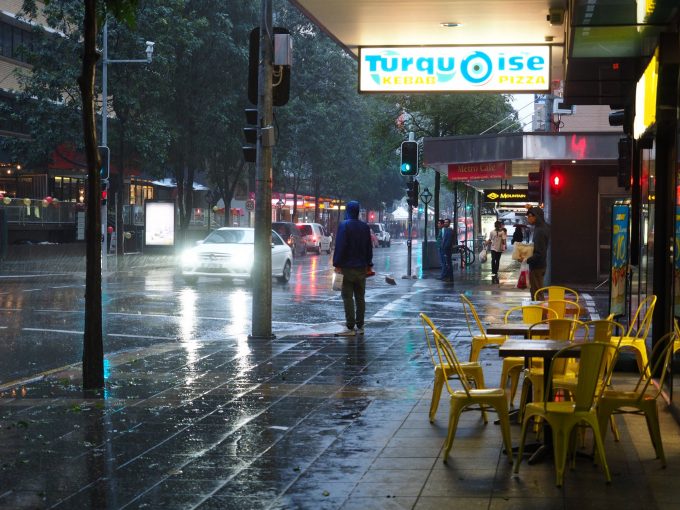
[{"x": 290, "y": 240}]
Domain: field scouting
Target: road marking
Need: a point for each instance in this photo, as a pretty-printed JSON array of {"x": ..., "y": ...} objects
[
  {"x": 590, "y": 306},
  {"x": 123, "y": 335},
  {"x": 399, "y": 304},
  {"x": 11, "y": 277}
]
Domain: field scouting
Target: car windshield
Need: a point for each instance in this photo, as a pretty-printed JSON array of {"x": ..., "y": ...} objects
[
  {"x": 375, "y": 228},
  {"x": 281, "y": 229},
  {"x": 236, "y": 236},
  {"x": 305, "y": 230}
]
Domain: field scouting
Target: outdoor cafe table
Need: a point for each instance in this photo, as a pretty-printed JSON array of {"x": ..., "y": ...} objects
[
  {"x": 516, "y": 329},
  {"x": 545, "y": 349}
]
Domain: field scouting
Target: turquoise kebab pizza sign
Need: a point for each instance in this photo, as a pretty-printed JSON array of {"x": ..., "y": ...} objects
[{"x": 454, "y": 69}]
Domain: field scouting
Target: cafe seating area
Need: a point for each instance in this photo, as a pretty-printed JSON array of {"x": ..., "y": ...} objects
[{"x": 572, "y": 407}]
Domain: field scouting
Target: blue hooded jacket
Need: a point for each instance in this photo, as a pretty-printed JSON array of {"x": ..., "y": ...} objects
[{"x": 353, "y": 247}]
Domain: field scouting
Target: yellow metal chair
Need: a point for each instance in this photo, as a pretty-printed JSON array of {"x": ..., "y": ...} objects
[
  {"x": 462, "y": 399},
  {"x": 642, "y": 400},
  {"x": 512, "y": 367},
  {"x": 564, "y": 416},
  {"x": 479, "y": 338},
  {"x": 559, "y": 329},
  {"x": 556, "y": 292},
  {"x": 636, "y": 339},
  {"x": 472, "y": 370},
  {"x": 563, "y": 307}
]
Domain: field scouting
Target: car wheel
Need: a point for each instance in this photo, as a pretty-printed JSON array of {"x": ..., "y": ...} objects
[
  {"x": 318, "y": 250},
  {"x": 389, "y": 243},
  {"x": 285, "y": 276},
  {"x": 190, "y": 280}
]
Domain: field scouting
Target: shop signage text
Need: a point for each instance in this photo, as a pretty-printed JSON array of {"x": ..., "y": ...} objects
[
  {"x": 454, "y": 68},
  {"x": 506, "y": 195},
  {"x": 477, "y": 171}
]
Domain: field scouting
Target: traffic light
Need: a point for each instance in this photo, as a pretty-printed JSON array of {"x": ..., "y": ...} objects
[
  {"x": 534, "y": 187},
  {"x": 623, "y": 175},
  {"x": 409, "y": 158},
  {"x": 250, "y": 133},
  {"x": 556, "y": 181},
  {"x": 105, "y": 192},
  {"x": 412, "y": 193}
]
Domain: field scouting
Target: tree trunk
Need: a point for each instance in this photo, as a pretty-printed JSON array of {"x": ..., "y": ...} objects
[
  {"x": 93, "y": 347},
  {"x": 120, "y": 195},
  {"x": 437, "y": 189}
]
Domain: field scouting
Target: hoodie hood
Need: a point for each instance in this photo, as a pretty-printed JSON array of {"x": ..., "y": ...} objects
[
  {"x": 538, "y": 212},
  {"x": 352, "y": 210}
]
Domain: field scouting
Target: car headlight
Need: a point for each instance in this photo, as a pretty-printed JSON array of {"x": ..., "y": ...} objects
[{"x": 189, "y": 258}]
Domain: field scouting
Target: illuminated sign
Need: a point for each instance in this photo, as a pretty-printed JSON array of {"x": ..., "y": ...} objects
[
  {"x": 476, "y": 171},
  {"x": 645, "y": 97},
  {"x": 506, "y": 195},
  {"x": 160, "y": 223},
  {"x": 454, "y": 69}
]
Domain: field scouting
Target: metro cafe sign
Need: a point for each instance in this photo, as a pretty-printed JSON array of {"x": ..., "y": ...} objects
[{"x": 392, "y": 69}]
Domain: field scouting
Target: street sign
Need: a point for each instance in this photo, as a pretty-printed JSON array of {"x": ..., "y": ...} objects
[
  {"x": 505, "y": 195},
  {"x": 250, "y": 205}
]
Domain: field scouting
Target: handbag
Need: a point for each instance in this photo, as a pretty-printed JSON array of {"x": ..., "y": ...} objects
[
  {"x": 482, "y": 255},
  {"x": 337, "y": 281},
  {"x": 523, "y": 276}
]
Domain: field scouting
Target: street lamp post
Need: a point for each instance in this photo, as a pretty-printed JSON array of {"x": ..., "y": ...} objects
[
  {"x": 105, "y": 115},
  {"x": 426, "y": 198}
]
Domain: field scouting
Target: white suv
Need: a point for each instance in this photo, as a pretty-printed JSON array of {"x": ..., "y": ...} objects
[
  {"x": 315, "y": 237},
  {"x": 384, "y": 238}
]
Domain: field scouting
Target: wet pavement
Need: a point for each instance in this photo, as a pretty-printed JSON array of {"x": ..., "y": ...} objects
[{"x": 199, "y": 416}]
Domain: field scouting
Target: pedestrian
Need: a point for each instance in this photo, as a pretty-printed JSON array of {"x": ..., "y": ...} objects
[
  {"x": 498, "y": 238},
  {"x": 353, "y": 258},
  {"x": 517, "y": 235},
  {"x": 446, "y": 252},
  {"x": 539, "y": 260}
]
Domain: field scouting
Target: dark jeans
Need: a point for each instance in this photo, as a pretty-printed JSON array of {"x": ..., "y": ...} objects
[
  {"x": 495, "y": 261},
  {"x": 447, "y": 264},
  {"x": 354, "y": 290},
  {"x": 536, "y": 281}
]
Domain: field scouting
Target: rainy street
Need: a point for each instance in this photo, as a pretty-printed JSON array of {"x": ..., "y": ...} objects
[
  {"x": 196, "y": 415},
  {"x": 41, "y": 311}
]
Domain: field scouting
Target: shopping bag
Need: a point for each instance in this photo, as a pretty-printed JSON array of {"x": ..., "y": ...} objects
[
  {"x": 522, "y": 251},
  {"x": 337, "y": 281},
  {"x": 523, "y": 276},
  {"x": 482, "y": 256}
]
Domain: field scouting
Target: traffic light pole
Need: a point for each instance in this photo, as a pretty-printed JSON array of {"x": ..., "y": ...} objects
[
  {"x": 261, "y": 326},
  {"x": 410, "y": 228}
]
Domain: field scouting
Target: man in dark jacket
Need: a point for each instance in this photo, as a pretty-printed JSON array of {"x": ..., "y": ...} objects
[
  {"x": 539, "y": 260},
  {"x": 446, "y": 252},
  {"x": 353, "y": 258}
]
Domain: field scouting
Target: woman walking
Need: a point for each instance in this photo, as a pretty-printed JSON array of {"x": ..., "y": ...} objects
[{"x": 497, "y": 244}]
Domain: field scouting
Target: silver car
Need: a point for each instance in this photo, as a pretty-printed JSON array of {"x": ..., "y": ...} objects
[{"x": 229, "y": 253}]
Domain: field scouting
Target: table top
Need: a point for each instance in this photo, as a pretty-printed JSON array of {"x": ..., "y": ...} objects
[
  {"x": 539, "y": 348},
  {"x": 516, "y": 328}
]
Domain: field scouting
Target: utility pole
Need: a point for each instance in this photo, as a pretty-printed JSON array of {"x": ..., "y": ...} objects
[{"x": 262, "y": 268}]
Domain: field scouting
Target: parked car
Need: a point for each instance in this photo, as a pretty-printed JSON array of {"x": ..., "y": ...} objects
[
  {"x": 315, "y": 236},
  {"x": 374, "y": 239},
  {"x": 291, "y": 236},
  {"x": 384, "y": 237},
  {"x": 229, "y": 252}
]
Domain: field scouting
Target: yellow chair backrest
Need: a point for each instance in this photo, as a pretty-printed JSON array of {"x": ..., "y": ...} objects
[
  {"x": 661, "y": 356},
  {"x": 602, "y": 330},
  {"x": 643, "y": 314},
  {"x": 531, "y": 314},
  {"x": 557, "y": 292},
  {"x": 593, "y": 367},
  {"x": 563, "y": 307},
  {"x": 447, "y": 358},
  {"x": 563, "y": 329},
  {"x": 676, "y": 342},
  {"x": 430, "y": 331},
  {"x": 471, "y": 318}
]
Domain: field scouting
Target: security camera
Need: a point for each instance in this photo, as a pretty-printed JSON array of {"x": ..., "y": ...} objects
[{"x": 149, "y": 50}]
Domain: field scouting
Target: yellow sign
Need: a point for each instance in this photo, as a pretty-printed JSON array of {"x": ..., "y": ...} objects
[{"x": 645, "y": 97}]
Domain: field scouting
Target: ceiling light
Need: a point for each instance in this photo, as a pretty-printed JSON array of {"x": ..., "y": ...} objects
[{"x": 450, "y": 24}]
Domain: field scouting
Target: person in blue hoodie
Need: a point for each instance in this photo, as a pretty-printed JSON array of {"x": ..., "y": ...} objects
[{"x": 353, "y": 258}]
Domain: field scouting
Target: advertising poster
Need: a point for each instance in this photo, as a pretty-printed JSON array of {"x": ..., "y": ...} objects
[
  {"x": 619, "y": 260},
  {"x": 160, "y": 224}
]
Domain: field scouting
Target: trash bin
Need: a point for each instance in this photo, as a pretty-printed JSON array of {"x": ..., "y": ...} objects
[{"x": 431, "y": 260}]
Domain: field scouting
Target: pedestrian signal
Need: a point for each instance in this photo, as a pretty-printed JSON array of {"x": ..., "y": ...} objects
[{"x": 409, "y": 158}]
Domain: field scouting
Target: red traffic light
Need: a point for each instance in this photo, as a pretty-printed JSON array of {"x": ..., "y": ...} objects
[
  {"x": 105, "y": 194},
  {"x": 556, "y": 183}
]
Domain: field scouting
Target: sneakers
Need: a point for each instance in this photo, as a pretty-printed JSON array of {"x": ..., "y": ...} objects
[
  {"x": 360, "y": 331},
  {"x": 346, "y": 332}
]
